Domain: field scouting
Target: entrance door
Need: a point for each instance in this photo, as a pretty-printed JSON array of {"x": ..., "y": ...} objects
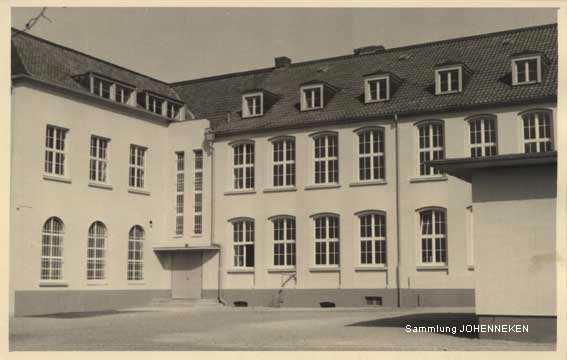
[{"x": 186, "y": 278}]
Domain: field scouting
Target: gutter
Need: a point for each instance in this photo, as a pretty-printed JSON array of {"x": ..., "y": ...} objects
[{"x": 398, "y": 230}]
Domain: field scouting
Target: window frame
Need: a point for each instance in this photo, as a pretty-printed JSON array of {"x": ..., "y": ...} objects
[
  {"x": 246, "y": 241},
  {"x": 537, "y": 140},
  {"x": 447, "y": 69},
  {"x": 327, "y": 240},
  {"x": 357, "y": 175},
  {"x": 286, "y": 174},
  {"x": 49, "y": 233},
  {"x": 54, "y": 151},
  {"x": 483, "y": 144},
  {"x": 434, "y": 236},
  {"x": 114, "y": 85},
  {"x": 244, "y": 166},
  {"x": 433, "y": 172},
  {"x": 367, "y": 91},
  {"x": 139, "y": 269},
  {"x": 325, "y": 159},
  {"x": 245, "y": 110},
  {"x": 303, "y": 97},
  {"x": 373, "y": 239},
  {"x": 539, "y": 69},
  {"x": 98, "y": 160},
  {"x": 291, "y": 262},
  {"x": 94, "y": 259},
  {"x": 198, "y": 172},
  {"x": 180, "y": 168},
  {"x": 136, "y": 167}
]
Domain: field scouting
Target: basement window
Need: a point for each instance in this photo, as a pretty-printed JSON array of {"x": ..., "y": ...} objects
[
  {"x": 240, "y": 304},
  {"x": 327, "y": 304},
  {"x": 374, "y": 300}
]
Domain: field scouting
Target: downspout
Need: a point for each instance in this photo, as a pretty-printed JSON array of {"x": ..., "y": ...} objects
[{"x": 398, "y": 251}]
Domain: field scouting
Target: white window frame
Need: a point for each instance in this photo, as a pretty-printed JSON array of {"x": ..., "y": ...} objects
[
  {"x": 241, "y": 246},
  {"x": 152, "y": 106},
  {"x": 254, "y": 97},
  {"x": 54, "y": 152},
  {"x": 307, "y": 107},
  {"x": 286, "y": 163},
  {"x": 484, "y": 145},
  {"x": 139, "y": 170},
  {"x": 438, "y": 74},
  {"x": 97, "y": 263},
  {"x": 136, "y": 237},
  {"x": 380, "y": 155},
  {"x": 431, "y": 149},
  {"x": 434, "y": 236},
  {"x": 327, "y": 240},
  {"x": 538, "y": 140},
  {"x": 367, "y": 90},
  {"x": 198, "y": 192},
  {"x": 528, "y": 81},
  {"x": 179, "y": 192},
  {"x": 374, "y": 239},
  {"x": 51, "y": 266},
  {"x": 101, "y": 168},
  {"x": 114, "y": 89},
  {"x": 326, "y": 159},
  {"x": 287, "y": 241},
  {"x": 248, "y": 179}
]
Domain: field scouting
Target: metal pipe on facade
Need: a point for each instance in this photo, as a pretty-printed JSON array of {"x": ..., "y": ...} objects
[{"x": 398, "y": 251}]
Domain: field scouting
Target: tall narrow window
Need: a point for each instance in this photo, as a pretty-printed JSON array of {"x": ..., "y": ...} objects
[
  {"x": 179, "y": 192},
  {"x": 243, "y": 243},
  {"x": 327, "y": 245},
  {"x": 284, "y": 241},
  {"x": 52, "y": 250},
  {"x": 198, "y": 216},
  {"x": 284, "y": 163},
  {"x": 372, "y": 239},
  {"x": 433, "y": 237},
  {"x": 137, "y": 166},
  {"x": 482, "y": 136},
  {"x": 55, "y": 151},
  {"x": 537, "y": 131},
  {"x": 431, "y": 147},
  {"x": 326, "y": 159},
  {"x": 96, "y": 252},
  {"x": 99, "y": 160},
  {"x": 243, "y": 166},
  {"x": 136, "y": 253},
  {"x": 371, "y": 159}
]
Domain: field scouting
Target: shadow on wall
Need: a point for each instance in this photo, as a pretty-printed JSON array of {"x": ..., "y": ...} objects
[{"x": 440, "y": 321}]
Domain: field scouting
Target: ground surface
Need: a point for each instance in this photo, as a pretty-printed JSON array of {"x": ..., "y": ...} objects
[{"x": 252, "y": 329}]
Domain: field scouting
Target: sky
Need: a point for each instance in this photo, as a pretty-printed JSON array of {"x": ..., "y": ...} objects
[{"x": 175, "y": 44}]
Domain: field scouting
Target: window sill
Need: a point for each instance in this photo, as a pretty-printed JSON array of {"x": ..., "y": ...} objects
[
  {"x": 136, "y": 282},
  {"x": 139, "y": 191},
  {"x": 428, "y": 179},
  {"x": 324, "y": 269},
  {"x": 322, "y": 186},
  {"x": 197, "y": 236},
  {"x": 312, "y": 109},
  {"x": 177, "y": 236},
  {"x": 373, "y": 101},
  {"x": 368, "y": 183},
  {"x": 240, "y": 271},
  {"x": 432, "y": 268},
  {"x": 282, "y": 270},
  {"x": 370, "y": 268},
  {"x": 101, "y": 185},
  {"x": 448, "y": 92},
  {"x": 280, "y": 189},
  {"x": 53, "y": 284},
  {"x": 97, "y": 282},
  {"x": 470, "y": 267},
  {"x": 240, "y": 192},
  {"x": 62, "y": 179},
  {"x": 526, "y": 83}
]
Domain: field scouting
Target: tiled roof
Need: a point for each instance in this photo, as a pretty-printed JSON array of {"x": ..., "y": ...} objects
[
  {"x": 54, "y": 63},
  {"x": 487, "y": 56}
]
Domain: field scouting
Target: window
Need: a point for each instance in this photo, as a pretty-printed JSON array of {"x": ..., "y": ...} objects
[
  {"x": 154, "y": 104},
  {"x": 526, "y": 70},
  {"x": 102, "y": 87},
  {"x": 55, "y": 151},
  {"x": 377, "y": 89},
  {"x": 312, "y": 97},
  {"x": 284, "y": 163},
  {"x": 284, "y": 241},
  {"x": 243, "y": 239},
  {"x": 137, "y": 165},
  {"x": 483, "y": 136},
  {"x": 431, "y": 147},
  {"x": 99, "y": 159},
  {"x": 537, "y": 131},
  {"x": 96, "y": 252},
  {"x": 433, "y": 236},
  {"x": 371, "y": 159},
  {"x": 198, "y": 191},
  {"x": 372, "y": 239},
  {"x": 179, "y": 192},
  {"x": 123, "y": 94},
  {"x": 326, "y": 159},
  {"x": 136, "y": 253},
  {"x": 252, "y": 105},
  {"x": 448, "y": 80},
  {"x": 243, "y": 166},
  {"x": 327, "y": 240},
  {"x": 172, "y": 110},
  {"x": 52, "y": 250}
]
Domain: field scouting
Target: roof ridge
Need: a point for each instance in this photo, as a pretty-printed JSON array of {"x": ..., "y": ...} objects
[
  {"x": 339, "y": 57},
  {"x": 35, "y": 37}
]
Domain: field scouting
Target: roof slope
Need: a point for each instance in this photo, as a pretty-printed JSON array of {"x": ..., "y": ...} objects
[
  {"x": 54, "y": 63},
  {"x": 487, "y": 56}
]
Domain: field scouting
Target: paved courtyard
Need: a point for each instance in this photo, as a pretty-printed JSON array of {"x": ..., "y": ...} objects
[{"x": 252, "y": 329}]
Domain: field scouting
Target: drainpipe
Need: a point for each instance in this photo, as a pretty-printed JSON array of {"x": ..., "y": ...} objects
[{"x": 398, "y": 251}]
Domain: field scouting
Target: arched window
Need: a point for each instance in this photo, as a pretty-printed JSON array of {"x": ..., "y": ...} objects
[
  {"x": 52, "y": 250},
  {"x": 371, "y": 163},
  {"x": 284, "y": 241},
  {"x": 431, "y": 146},
  {"x": 372, "y": 238},
  {"x": 243, "y": 243},
  {"x": 136, "y": 253},
  {"x": 482, "y": 135},
  {"x": 433, "y": 233},
  {"x": 96, "y": 252},
  {"x": 327, "y": 240},
  {"x": 537, "y": 131}
]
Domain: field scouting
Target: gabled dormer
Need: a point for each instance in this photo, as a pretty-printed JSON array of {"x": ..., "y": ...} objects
[
  {"x": 379, "y": 86},
  {"x": 528, "y": 67},
  {"x": 314, "y": 95},
  {"x": 256, "y": 102},
  {"x": 450, "y": 77}
]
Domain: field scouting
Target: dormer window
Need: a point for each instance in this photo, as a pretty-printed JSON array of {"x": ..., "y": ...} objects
[
  {"x": 154, "y": 104},
  {"x": 111, "y": 89},
  {"x": 377, "y": 89},
  {"x": 448, "y": 80},
  {"x": 311, "y": 97},
  {"x": 173, "y": 110},
  {"x": 253, "y": 105},
  {"x": 526, "y": 70},
  {"x": 101, "y": 88},
  {"x": 123, "y": 94}
]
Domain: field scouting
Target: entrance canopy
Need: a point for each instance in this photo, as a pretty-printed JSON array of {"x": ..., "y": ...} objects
[{"x": 184, "y": 247}]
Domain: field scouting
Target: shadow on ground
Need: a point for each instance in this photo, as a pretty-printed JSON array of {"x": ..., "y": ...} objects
[
  {"x": 441, "y": 320},
  {"x": 87, "y": 314}
]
